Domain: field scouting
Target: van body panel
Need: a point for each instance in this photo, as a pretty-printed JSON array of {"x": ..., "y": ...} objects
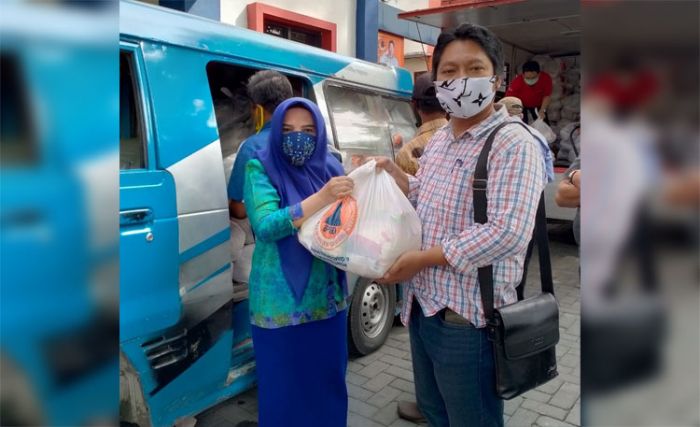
[{"x": 185, "y": 338}]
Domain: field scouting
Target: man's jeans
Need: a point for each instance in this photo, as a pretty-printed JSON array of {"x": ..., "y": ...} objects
[{"x": 454, "y": 373}]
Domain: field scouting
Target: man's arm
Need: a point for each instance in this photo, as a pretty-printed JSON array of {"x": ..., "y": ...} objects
[
  {"x": 545, "y": 104},
  {"x": 514, "y": 189},
  {"x": 237, "y": 209},
  {"x": 547, "y": 93},
  {"x": 569, "y": 193}
]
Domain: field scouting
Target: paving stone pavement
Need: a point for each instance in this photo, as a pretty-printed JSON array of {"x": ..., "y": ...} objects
[{"x": 376, "y": 382}]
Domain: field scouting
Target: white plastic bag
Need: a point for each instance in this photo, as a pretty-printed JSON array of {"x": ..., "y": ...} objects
[
  {"x": 243, "y": 264},
  {"x": 545, "y": 130},
  {"x": 366, "y": 232},
  {"x": 237, "y": 240}
]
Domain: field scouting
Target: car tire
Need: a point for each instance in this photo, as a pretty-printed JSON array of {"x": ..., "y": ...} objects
[{"x": 371, "y": 316}]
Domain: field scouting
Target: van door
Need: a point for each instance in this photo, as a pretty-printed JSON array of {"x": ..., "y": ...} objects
[{"x": 150, "y": 301}]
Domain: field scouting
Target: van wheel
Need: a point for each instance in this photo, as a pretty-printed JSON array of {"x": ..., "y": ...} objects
[{"x": 371, "y": 316}]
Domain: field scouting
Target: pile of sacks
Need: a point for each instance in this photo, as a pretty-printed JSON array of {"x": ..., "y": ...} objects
[{"x": 242, "y": 247}]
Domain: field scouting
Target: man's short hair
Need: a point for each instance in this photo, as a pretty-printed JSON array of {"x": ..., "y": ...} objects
[
  {"x": 488, "y": 41},
  {"x": 531, "y": 66},
  {"x": 269, "y": 88}
]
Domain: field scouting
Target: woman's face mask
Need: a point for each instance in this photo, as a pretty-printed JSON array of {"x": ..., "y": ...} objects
[
  {"x": 298, "y": 136},
  {"x": 465, "y": 97},
  {"x": 298, "y": 147}
]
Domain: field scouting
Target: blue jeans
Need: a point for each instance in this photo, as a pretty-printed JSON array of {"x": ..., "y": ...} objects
[{"x": 454, "y": 373}]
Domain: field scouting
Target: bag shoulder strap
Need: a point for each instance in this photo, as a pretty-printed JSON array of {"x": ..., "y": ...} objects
[{"x": 480, "y": 202}]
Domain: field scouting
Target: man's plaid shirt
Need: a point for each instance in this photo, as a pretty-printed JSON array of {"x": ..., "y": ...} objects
[{"x": 442, "y": 194}]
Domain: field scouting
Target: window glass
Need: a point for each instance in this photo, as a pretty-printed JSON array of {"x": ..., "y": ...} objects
[
  {"x": 132, "y": 144},
  {"x": 17, "y": 145},
  {"x": 360, "y": 123},
  {"x": 402, "y": 121}
]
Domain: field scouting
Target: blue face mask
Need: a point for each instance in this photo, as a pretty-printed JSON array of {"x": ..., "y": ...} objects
[{"x": 298, "y": 147}]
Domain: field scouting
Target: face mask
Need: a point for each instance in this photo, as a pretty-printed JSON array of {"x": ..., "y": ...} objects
[
  {"x": 531, "y": 82},
  {"x": 298, "y": 147},
  {"x": 259, "y": 118},
  {"x": 465, "y": 97}
]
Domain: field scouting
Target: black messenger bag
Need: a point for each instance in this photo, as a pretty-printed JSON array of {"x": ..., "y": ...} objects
[{"x": 525, "y": 333}]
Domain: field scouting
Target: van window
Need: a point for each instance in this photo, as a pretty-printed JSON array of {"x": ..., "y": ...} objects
[
  {"x": 402, "y": 119},
  {"x": 132, "y": 143},
  {"x": 233, "y": 108},
  {"x": 17, "y": 145},
  {"x": 359, "y": 121}
]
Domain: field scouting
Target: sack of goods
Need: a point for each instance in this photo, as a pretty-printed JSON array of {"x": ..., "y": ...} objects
[
  {"x": 366, "y": 232},
  {"x": 545, "y": 130}
]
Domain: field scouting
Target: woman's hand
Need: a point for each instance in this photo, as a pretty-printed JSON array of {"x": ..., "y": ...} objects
[{"x": 337, "y": 188}]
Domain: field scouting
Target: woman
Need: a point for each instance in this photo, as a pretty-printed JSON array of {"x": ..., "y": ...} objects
[{"x": 297, "y": 302}]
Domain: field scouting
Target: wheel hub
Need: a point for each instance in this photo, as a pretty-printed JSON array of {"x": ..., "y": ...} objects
[{"x": 374, "y": 310}]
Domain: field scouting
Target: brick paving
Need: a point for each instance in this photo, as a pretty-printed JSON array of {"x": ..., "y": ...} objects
[{"x": 376, "y": 382}]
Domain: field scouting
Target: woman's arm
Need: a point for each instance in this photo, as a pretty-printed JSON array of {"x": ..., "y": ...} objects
[
  {"x": 337, "y": 188},
  {"x": 270, "y": 222}
]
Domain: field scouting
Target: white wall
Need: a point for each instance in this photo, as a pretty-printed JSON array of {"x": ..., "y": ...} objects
[
  {"x": 342, "y": 13},
  {"x": 416, "y": 64},
  {"x": 409, "y": 5},
  {"x": 411, "y": 47}
]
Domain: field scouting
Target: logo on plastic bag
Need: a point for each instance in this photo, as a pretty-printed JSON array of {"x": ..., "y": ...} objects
[{"x": 337, "y": 223}]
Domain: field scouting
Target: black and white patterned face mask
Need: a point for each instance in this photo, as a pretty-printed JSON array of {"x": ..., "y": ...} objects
[{"x": 465, "y": 97}]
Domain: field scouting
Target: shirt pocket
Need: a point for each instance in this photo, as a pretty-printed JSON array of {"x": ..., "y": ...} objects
[{"x": 456, "y": 206}]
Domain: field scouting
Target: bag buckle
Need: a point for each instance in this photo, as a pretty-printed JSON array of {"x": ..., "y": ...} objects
[
  {"x": 491, "y": 328},
  {"x": 479, "y": 184}
]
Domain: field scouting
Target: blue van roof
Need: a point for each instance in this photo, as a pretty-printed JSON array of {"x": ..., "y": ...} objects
[{"x": 144, "y": 21}]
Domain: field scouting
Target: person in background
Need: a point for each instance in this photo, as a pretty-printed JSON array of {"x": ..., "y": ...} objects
[
  {"x": 534, "y": 88},
  {"x": 513, "y": 105},
  {"x": 432, "y": 118},
  {"x": 266, "y": 89},
  {"x": 569, "y": 194},
  {"x": 453, "y": 358},
  {"x": 297, "y": 302}
]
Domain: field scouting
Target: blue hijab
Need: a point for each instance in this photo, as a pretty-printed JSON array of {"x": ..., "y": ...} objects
[{"x": 296, "y": 183}]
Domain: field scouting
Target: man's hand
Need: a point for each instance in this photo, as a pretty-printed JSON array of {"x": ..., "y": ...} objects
[
  {"x": 542, "y": 114},
  {"x": 412, "y": 262},
  {"x": 392, "y": 169},
  {"x": 407, "y": 266}
]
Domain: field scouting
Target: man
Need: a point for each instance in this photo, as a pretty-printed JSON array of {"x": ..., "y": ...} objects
[
  {"x": 453, "y": 358},
  {"x": 534, "y": 88},
  {"x": 569, "y": 194},
  {"x": 266, "y": 89},
  {"x": 389, "y": 59},
  {"x": 513, "y": 105},
  {"x": 432, "y": 118}
]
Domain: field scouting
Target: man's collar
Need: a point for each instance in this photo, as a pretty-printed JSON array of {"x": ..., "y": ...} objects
[{"x": 484, "y": 126}]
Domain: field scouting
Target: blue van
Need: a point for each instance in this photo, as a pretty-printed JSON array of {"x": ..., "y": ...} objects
[{"x": 185, "y": 336}]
